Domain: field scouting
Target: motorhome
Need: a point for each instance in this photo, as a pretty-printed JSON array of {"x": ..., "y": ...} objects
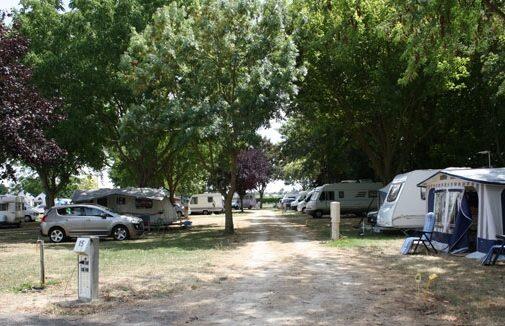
[
  {"x": 302, "y": 204},
  {"x": 206, "y": 203},
  {"x": 249, "y": 201},
  {"x": 354, "y": 196},
  {"x": 141, "y": 202},
  {"x": 301, "y": 197},
  {"x": 11, "y": 210},
  {"x": 404, "y": 206}
]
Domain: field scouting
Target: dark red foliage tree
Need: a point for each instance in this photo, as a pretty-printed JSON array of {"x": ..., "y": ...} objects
[
  {"x": 24, "y": 113},
  {"x": 253, "y": 171}
]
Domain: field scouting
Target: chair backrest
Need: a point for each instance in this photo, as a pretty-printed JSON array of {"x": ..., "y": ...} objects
[{"x": 429, "y": 224}]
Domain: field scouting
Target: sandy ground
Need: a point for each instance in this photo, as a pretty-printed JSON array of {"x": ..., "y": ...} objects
[{"x": 278, "y": 277}]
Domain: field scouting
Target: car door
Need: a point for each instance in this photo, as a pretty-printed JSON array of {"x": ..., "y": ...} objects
[
  {"x": 71, "y": 219},
  {"x": 97, "y": 221}
]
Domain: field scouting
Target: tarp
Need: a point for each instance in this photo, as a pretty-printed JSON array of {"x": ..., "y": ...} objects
[
  {"x": 459, "y": 237},
  {"x": 150, "y": 193}
]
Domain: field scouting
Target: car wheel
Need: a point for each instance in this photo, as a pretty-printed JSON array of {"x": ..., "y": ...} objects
[
  {"x": 120, "y": 233},
  {"x": 318, "y": 214},
  {"x": 205, "y": 213},
  {"x": 250, "y": 207},
  {"x": 28, "y": 218},
  {"x": 56, "y": 235},
  {"x": 179, "y": 214}
]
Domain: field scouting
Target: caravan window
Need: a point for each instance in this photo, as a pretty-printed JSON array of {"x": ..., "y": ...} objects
[
  {"x": 327, "y": 195},
  {"x": 120, "y": 201},
  {"x": 361, "y": 194},
  {"x": 423, "y": 193},
  {"x": 194, "y": 201},
  {"x": 210, "y": 199},
  {"x": 394, "y": 191},
  {"x": 372, "y": 194},
  {"x": 4, "y": 207},
  {"x": 340, "y": 194},
  {"x": 453, "y": 198},
  {"x": 439, "y": 207},
  {"x": 143, "y": 203}
]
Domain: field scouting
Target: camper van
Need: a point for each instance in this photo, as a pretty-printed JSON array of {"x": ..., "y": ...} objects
[
  {"x": 354, "y": 196},
  {"x": 141, "y": 202},
  {"x": 249, "y": 201},
  {"x": 298, "y": 200},
  {"x": 11, "y": 210},
  {"x": 303, "y": 203},
  {"x": 206, "y": 203},
  {"x": 405, "y": 204}
]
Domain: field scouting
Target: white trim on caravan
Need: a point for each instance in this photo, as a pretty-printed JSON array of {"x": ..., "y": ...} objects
[
  {"x": 405, "y": 203},
  {"x": 206, "y": 203},
  {"x": 354, "y": 197}
]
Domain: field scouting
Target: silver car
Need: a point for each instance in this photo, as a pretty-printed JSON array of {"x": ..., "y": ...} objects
[{"x": 62, "y": 222}]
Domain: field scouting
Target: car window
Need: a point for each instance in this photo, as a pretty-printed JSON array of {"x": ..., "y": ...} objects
[
  {"x": 71, "y": 211},
  {"x": 91, "y": 211}
]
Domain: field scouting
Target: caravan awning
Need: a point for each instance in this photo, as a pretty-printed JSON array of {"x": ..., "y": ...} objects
[
  {"x": 494, "y": 176},
  {"x": 150, "y": 193}
]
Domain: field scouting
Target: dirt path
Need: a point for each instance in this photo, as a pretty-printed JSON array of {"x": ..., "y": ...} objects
[{"x": 279, "y": 277}]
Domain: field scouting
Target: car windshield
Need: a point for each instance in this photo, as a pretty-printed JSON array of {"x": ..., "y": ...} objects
[{"x": 308, "y": 198}]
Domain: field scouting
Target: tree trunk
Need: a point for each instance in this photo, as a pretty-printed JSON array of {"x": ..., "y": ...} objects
[
  {"x": 262, "y": 192},
  {"x": 228, "y": 215},
  {"x": 242, "y": 204},
  {"x": 49, "y": 188}
]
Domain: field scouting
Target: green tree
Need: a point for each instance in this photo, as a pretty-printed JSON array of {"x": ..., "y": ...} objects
[
  {"x": 230, "y": 63},
  {"x": 75, "y": 55}
]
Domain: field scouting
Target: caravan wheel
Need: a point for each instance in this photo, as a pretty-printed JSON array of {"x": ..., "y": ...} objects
[
  {"x": 28, "y": 218},
  {"x": 318, "y": 214}
]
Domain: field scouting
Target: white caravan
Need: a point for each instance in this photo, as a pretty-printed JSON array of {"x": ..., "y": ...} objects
[
  {"x": 302, "y": 204},
  {"x": 206, "y": 203},
  {"x": 301, "y": 197},
  {"x": 11, "y": 210},
  {"x": 405, "y": 203},
  {"x": 147, "y": 203},
  {"x": 249, "y": 201},
  {"x": 354, "y": 197}
]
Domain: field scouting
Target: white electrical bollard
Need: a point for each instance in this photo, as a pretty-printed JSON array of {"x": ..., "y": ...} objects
[
  {"x": 335, "y": 220},
  {"x": 87, "y": 268}
]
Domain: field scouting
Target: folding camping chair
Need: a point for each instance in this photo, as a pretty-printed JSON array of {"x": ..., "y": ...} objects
[
  {"x": 424, "y": 237},
  {"x": 495, "y": 251}
]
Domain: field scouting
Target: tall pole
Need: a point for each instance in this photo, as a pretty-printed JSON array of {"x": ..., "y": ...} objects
[
  {"x": 42, "y": 264},
  {"x": 489, "y": 158}
]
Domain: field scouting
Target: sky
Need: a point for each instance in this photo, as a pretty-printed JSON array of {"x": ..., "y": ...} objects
[{"x": 271, "y": 133}]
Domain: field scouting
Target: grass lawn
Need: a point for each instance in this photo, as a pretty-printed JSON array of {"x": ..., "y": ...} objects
[
  {"x": 154, "y": 265},
  {"x": 464, "y": 291}
]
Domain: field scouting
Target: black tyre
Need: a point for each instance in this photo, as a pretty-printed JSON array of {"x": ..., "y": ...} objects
[
  {"x": 57, "y": 235},
  {"x": 179, "y": 214},
  {"x": 28, "y": 218},
  {"x": 120, "y": 233},
  {"x": 318, "y": 214},
  {"x": 205, "y": 212}
]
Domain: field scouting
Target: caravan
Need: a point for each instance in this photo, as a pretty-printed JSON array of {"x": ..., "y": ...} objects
[
  {"x": 206, "y": 203},
  {"x": 469, "y": 207},
  {"x": 11, "y": 210},
  {"x": 141, "y": 202},
  {"x": 249, "y": 201},
  {"x": 404, "y": 206},
  {"x": 354, "y": 197}
]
